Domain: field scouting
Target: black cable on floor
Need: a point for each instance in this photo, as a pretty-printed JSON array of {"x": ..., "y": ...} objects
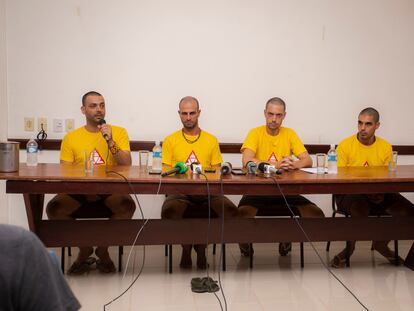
[
  {"x": 313, "y": 247},
  {"x": 208, "y": 232},
  {"x": 222, "y": 240},
  {"x": 136, "y": 237}
]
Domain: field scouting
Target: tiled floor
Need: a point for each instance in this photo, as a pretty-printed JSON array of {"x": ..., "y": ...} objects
[{"x": 275, "y": 283}]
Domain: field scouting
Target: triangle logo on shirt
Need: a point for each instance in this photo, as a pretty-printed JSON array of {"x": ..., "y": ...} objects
[
  {"x": 96, "y": 157},
  {"x": 366, "y": 164},
  {"x": 191, "y": 158},
  {"x": 272, "y": 158}
]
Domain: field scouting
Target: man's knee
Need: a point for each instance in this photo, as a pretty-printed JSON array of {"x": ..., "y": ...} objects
[
  {"x": 311, "y": 211},
  {"x": 247, "y": 211},
  {"x": 173, "y": 209},
  {"x": 122, "y": 206},
  {"x": 223, "y": 206},
  {"x": 61, "y": 207}
]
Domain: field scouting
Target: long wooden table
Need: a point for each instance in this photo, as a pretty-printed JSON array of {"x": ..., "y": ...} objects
[{"x": 35, "y": 182}]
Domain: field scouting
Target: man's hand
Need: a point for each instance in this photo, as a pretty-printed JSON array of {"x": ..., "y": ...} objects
[
  {"x": 106, "y": 131},
  {"x": 287, "y": 164}
]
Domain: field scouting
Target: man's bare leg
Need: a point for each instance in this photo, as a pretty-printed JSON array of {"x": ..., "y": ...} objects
[
  {"x": 61, "y": 207},
  {"x": 122, "y": 207}
]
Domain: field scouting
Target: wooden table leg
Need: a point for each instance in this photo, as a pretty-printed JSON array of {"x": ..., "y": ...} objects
[{"x": 34, "y": 209}]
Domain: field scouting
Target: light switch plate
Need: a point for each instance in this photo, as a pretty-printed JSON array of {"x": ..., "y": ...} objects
[
  {"x": 69, "y": 125},
  {"x": 29, "y": 124}
]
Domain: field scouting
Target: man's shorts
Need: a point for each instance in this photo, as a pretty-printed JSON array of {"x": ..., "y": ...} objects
[
  {"x": 275, "y": 205},
  {"x": 378, "y": 203},
  {"x": 91, "y": 206},
  {"x": 197, "y": 205}
]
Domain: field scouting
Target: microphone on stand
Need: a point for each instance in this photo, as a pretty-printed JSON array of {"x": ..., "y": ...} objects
[
  {"x": 102, "y": 122},
  {"x": 267, "y": 168},
  {"x": 251, "y": 167},
  {"x": 196, "y": 168},
  {"x": 179, "y": 168},
  {"x": 226, "y": 168}
]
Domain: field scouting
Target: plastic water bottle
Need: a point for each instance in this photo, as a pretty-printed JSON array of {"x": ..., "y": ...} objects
[
  {"x": 32, "y": 149},
  {"x": 332, "y": 161},
  {"x": 157, "y": 157}
]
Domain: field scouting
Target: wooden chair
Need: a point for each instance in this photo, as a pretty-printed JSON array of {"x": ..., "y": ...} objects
[
  {"x": 92, "y": 211},
  {"x": 282, "y": 212},
  {"x": 196, "y": 212}
]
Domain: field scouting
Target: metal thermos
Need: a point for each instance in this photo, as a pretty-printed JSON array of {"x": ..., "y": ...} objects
[{"x": 9, "y": 156}]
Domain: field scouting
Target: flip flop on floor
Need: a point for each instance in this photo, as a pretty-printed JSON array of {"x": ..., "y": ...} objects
[
  {"x": 204, "y": 285},
  {"x": 81, "y": 267}
]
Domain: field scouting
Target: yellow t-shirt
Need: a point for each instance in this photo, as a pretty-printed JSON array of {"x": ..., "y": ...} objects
[
  {"x": 205, "y": 150},
  {"x": 75, "y": 143},
  {"x": 352, "y": 153},
  {"x": 273, "y": 148}
]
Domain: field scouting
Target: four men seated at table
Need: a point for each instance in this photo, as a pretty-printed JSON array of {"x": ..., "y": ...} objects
[{"x": 271, "y": 143}]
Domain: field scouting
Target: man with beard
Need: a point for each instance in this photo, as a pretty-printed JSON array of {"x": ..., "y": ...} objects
[
  {"x": 279, "y": 146},
  {"x": 190, "y": 145},
  {"x": 106, "y": 145},
  {"x": 365, "y": 149}
]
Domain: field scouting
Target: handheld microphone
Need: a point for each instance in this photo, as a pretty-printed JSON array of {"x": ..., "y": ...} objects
[
  {"x": 102, "y": 122},
  {"x": 251, "y": 167},
  {"x": 179, "y": 168},
  {"x": 196, "y": 168},
  {"x": 226, "y": 168},
  {"x": 267, "y": 168}
]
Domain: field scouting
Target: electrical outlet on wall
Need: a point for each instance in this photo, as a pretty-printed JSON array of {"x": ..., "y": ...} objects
[
  {"x": 42, "y": 122},
  {"x": 29, "y": 124},
  {"x": 57, "y": 125},
  {"x": 69, "y": 125}
]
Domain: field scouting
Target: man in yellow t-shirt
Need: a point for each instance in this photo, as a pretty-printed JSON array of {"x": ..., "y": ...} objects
[
  {"x": 193, "y": 145},
  {"x": 366, "y": 149},
  {"x": 279, "y": 146},
  {"x": 106, "y": 145}
]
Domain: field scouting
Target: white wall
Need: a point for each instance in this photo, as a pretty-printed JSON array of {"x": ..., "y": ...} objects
[
  {"x": 3, "y": 105},
  {"x": 327, "y": 59}
]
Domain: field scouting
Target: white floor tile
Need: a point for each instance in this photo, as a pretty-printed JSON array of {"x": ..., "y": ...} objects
[{"x": 274, "y": 283}]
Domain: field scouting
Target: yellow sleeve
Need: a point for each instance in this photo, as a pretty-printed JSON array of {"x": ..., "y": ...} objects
[
  {"x": 66, "y": 153},
  {"x": 166, "y": 152},
  {"x": 297, "y": 146},
  {"x": 341, "y": 156},
  {"x": 216, "y": 157},
  {"x": 251, "y": 141},
  {"x": 122, "y": 140}
]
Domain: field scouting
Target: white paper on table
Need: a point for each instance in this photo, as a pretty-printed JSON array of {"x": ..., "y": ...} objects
[{"x": 312, "y": 170}]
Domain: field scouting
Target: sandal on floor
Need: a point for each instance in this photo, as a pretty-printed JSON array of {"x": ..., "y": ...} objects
[
  {"x": 81, "y": 267},
  {"x": 105, "y": 267},
  {"x": 204, "y": 285},
  {"x": 285, "y": 248},
  {"x": 338, "y": 262}
]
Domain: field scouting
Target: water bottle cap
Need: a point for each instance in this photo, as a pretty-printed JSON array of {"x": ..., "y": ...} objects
[
  {"x": 157, "y": 143},
  {"x": 332, "y": 146}
]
